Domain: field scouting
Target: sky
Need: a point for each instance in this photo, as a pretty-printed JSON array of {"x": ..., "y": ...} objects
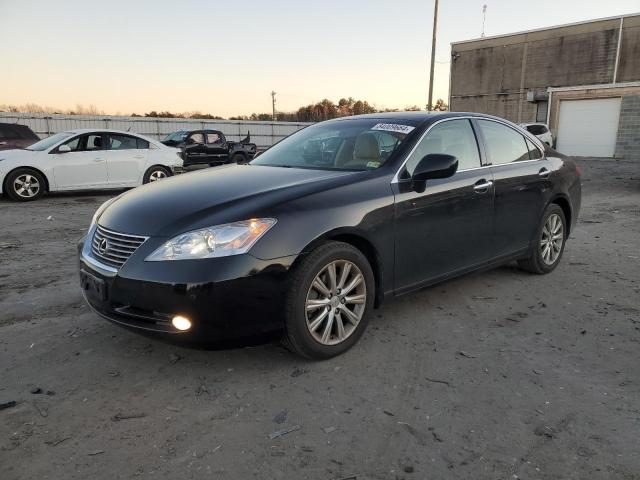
[{"x": 225, "y": 57}]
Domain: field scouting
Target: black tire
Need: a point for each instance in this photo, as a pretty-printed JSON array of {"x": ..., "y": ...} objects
[
  {"x": 239, "y": 158},
  {"x": 151, "y": 175},
  {"x": 297, "y": 336},
  {"x": 35, "y": 182},
  {"x": 535, "y": 262}
]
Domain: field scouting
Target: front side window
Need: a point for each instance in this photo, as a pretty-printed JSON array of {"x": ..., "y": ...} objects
[
  {"x": 196, "y": 138},
  {"x": 452, "y": 137},
  {"x": 353, "y": 144},
  {"x": 93, "y": 141},
  {"x": 504, "y": 144},
  {"x": 142, "y": 144},
  {"x": 73, "y": 144},
  {"x": 122, "y": 142}
]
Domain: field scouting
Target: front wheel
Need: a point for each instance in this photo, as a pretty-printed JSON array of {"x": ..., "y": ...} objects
[
  {"x": 155, "y": 173},
  {"x": 25, "y": 185},
  {"x": 548, "y": 246},
  {"x": 330, "y": 295}
]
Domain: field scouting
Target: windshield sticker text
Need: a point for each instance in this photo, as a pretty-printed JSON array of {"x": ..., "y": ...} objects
[{"x": 393, "y": 127}]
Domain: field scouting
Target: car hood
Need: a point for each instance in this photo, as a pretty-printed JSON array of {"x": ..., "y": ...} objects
[
  {"x": 212, "y": 197},
  {"x": 13, "y": 156}
]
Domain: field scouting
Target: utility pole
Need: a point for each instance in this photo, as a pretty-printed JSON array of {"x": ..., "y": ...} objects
[
  {"x": 273, "y": 105},
  {"x": 484, "y": 17},
  {"x": 433, "y": 56}
]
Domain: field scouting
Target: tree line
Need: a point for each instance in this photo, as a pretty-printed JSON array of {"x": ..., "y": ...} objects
[{"x": 320, "y": 111}]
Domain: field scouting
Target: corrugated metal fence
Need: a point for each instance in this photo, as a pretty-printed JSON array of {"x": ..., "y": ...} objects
[{"x": 264, "y": 134}]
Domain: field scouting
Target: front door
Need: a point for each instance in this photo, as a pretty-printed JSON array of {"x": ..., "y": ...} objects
[
  {"x": 84, "y": 166},
  {"x": 522, "y": 183},
  {"x": 196, "y": 149},
  {"x": 446, "y": 228}
]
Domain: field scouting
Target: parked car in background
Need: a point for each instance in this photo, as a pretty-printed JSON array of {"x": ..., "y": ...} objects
[
  {"x": 307, "y": 238},
  {"x": 540, "y": 130},
  {"x": 13, "y": 135},
  {"x": 210, "y": 147},
  {"x": 85, "y": 160}
]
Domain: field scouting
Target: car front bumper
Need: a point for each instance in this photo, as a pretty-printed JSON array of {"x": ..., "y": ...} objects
[{"x": 226, "y": 298}]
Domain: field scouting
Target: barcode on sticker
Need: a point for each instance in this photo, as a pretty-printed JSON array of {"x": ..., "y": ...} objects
[{"x": 393, "y": 127}]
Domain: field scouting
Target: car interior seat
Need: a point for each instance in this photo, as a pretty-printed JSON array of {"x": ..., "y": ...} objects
[{"x": 366, "y": 153}]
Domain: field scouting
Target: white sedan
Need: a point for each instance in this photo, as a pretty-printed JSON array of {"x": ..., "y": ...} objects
[{"x": 85, "y": 160}]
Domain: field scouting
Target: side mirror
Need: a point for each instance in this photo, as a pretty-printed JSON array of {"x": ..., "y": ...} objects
[
  {"x": 64, "y": 149},
  {"x": 435, "y": 165}
]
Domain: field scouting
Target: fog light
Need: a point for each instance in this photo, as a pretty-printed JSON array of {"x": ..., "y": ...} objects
[{"x": 181, "y": 323}]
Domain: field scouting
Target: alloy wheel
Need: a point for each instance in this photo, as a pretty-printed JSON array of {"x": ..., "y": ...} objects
[
  {"x": 157, "y": 175},
  {"x": 26, "y": 185},
  {"x": 552, "y": 239},
  {"x": 335, "y": 302}
]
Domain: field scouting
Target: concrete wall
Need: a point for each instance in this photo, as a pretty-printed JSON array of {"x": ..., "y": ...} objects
[
  {"x": 628, "y": 141},
  {"x": 493, "y": 75},
  {"x": 264, "y": 134}
]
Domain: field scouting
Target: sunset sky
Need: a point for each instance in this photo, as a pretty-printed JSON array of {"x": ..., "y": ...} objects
[{"x": 225, "y": 57}]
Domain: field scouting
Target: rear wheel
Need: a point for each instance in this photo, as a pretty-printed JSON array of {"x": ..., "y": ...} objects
[
  {"x": 25, "y": 185},
  {"x": 330, "y": 295},
  {"x": 155, "y": 173},
  {"x": 548, "y": 245},
  {"x": 239, "y": 158}
]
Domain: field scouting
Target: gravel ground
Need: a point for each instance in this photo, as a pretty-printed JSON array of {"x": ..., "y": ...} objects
[{"x": 497, "y": 375}]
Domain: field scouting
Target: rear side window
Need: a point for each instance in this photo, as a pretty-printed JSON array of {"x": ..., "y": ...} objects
[
  {"x": 453, "y": 137},
  {"x": 504, "y": 144},
  {"x": 122, "y": 142},
  {"x": 212, "y": 137}
]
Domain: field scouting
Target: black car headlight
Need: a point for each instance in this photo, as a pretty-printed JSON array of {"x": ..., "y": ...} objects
[{"x": 212, "y": 242}]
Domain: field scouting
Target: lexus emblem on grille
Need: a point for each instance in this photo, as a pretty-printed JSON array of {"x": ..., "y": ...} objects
[{"x": 104, "y": 246}]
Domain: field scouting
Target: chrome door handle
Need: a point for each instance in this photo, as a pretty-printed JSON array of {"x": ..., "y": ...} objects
[
  {"x": 98, "y": 159},
  {"x": 3, "y": 143},
  {"x": 544, "y": 172},
  {"x": 483, "y": 187}
]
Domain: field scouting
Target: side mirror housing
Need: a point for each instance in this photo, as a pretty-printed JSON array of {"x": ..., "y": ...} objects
[
  {"x": 64, "y": 149},
  {"x": 435, "y": 165}
]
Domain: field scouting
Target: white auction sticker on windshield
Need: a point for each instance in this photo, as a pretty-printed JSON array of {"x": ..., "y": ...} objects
[{"x": 393, "y": 127}]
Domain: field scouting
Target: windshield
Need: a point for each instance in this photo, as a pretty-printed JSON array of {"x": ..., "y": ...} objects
[
  {"x": 49, "y": 141},
  {"x": 341, "y": 145},
  {"x": 175, "y": 136}
]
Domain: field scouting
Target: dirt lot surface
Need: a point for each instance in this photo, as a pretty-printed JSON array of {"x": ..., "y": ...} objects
[{"x": 497, "y": 375}]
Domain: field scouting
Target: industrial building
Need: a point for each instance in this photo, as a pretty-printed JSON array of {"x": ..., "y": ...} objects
[{"x": 582, "y": 79}]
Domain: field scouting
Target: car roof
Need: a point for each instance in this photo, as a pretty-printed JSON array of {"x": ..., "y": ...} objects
[{"x": 414, "y": 118}]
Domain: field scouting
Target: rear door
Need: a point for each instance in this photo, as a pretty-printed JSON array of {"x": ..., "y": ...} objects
[
  {"x": 522, "y": 185},
  {"x": 125, "y": 159},
  {"x": 446, "y": 228},
  {"x": 84, "y": 166}
]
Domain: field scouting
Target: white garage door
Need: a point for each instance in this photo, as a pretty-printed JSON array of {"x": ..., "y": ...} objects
[{"x": 588, "y": 128}]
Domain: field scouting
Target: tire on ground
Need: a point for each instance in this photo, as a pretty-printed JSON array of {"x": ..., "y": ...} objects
[
  {"x": 297, "y": 336},
  {"x": 534, "y": 263},
  {"x": 154, "y": 169},
  {"x": 35, "y": 181}
]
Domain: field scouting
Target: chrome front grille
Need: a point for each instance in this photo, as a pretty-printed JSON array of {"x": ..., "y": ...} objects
[{"x": 113, "y": 248}]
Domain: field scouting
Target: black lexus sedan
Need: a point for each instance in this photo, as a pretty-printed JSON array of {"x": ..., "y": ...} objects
[{"x": 312, "y": 235}]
